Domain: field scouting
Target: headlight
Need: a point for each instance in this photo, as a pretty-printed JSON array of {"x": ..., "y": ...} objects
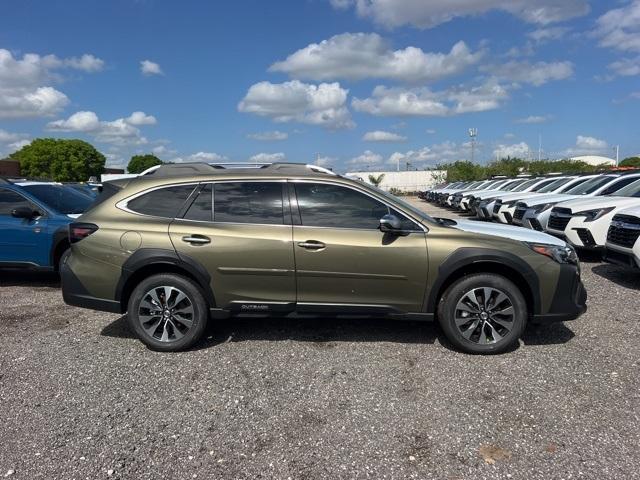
[
  {"x": 543, "y": 208},
  {"x": 560, "y": 254},
  {"x": 592, "y": 215}
]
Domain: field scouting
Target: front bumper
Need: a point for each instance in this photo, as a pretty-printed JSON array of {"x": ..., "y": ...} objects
[
  {"x": 626, "y": 257},
  {"x": 570, "y": 299},
  {"x": 74, "y": 293}
]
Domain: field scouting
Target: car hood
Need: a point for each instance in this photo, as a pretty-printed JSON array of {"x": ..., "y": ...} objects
[
  {"x": 517, "y": 196},
  {"x": 542, "y": 199},
  {"x": 600, "y": 202},
  {"x": 507, "y": 231},
  {"x": 633, "y": 211}
]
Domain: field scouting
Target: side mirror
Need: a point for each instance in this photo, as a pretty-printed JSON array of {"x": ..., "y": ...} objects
[
  {"x": 391, "y": 224},
  {"x": 23, "y": 212}
]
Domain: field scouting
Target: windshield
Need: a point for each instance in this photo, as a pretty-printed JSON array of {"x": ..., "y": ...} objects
[
  {"x": 60, "y": 198},
  {"x": 590, "y": 186},
  {"x": 541, "y": 185},
  {"x": 511, "y": 185},
  {"x": 554, "y": 185},
  {"x": 524, "y": 185},
  {"x": 574, "y": 184},
  {"x": 631, "y": 190}
]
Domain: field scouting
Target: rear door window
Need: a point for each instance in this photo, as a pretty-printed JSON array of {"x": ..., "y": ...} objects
[
  {"x": 201, "y": 209},
  {"x": 163, "y": 202},
  {"x": 249, "y": 202}
]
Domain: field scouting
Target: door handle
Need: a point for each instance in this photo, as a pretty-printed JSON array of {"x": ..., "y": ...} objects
[
  {"x": 312, "y": 245},
  {"x": 196, "y": 239}
]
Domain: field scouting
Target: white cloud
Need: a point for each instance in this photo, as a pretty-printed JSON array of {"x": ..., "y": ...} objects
[
  {"x": 382, "y": 136},
  {"x": 535, "y": 74},
  {"x": 367, "y": 160},
  {"x": 444, "y": 152},
  {"x": 534, "y": 119},
  {"x": 24, "y": 83},
  {"x": 141, "y": 118},
  {"x": 547, "y": 34},
  {"x": 268, "y": 157},
  {"x": 587, "y": 145},
  {"x": 163, "y": 150},
  {"x": 425, "y": 102},
  {"x": 147, "y": 67},
  {"x": 590, "y": 143},
  {"x": 427, "y": 14},
  {"x": 430, "y": 131},
  {"x": 122, "y": 131},
  {"x": 509, "y": 135},
  {"x": 294, "y": 101},
  {"x": 626, "y": 67},
  {"x": 326, "y": 162},
  {"x": 272, "y": 136},
  {"x": 357, "y": 56},
  {"x": 10, "y": 142},
  {"x": 519, "y": 150},
  {"x": 206, "y": 157},
  {"x": 619, "y": 28}
]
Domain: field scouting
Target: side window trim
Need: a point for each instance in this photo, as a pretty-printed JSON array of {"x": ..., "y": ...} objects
[
  {"x": 419, "y": 228},
  {"x": 123, "y": 204}
]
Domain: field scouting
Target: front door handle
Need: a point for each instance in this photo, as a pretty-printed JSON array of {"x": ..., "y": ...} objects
[
  {"x": 312, "y": 245},
  {"x": 196, "y": 239}
]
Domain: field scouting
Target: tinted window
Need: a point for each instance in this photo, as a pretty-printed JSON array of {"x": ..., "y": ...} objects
[
  {"x": 248, "y": 202},
  {"x": 614, "y": 187},
  {"x": 590, "y": 186},
  {"x": 631, "y": 190},
  {"x": 60, "y": 198},
  {"x": 163, "y": 202},
  {"x": 201, "y": 209},
  {"x": 333, "y": 206},
  {"x": 10, "y": 200},
  {"x": 550, "y": 187},
  {"x": 573, "y": 185}
]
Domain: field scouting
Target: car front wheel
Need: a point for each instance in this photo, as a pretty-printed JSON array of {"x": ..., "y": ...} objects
[
  {"x": 483, "y": 314},
  {"x": 168, "y": 312}
]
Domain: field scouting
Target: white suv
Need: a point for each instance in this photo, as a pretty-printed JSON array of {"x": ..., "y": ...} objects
[
  {"x": 584, "y": 222},
  {"x": 623, "y": 238}
]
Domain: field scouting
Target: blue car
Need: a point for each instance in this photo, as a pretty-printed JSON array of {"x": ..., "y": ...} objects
[{"x": 33, "y": 222}]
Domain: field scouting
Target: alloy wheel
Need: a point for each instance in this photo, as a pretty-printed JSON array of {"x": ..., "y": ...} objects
[
  {"x": 484, "y": 315},
  {"x": 166, "y": 313}
]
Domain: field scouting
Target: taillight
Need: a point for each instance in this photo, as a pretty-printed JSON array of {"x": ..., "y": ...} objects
[{"x": 78, "y": 231}]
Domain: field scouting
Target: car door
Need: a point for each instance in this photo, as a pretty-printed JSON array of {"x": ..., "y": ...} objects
[
  {"x": 244, "y": 241},
  {"x": 343, "y": 259},
  {"x": 22, "y": 240}
]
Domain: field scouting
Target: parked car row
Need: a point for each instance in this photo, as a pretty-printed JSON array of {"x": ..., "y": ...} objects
[
  {"x": 34, "y": 216},
  {"x": 598, "y": 212}
]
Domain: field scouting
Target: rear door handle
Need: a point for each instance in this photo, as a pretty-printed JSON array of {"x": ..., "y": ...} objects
[
  {"x": 196, "y": 239},
  {"x": 312, "y": 245}
]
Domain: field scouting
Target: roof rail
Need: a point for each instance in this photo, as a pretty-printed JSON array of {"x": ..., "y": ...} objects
[{"x": 195, "y": 168}]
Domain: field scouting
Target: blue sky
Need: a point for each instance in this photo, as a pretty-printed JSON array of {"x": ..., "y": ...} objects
[{"x": 359, "y": 84}]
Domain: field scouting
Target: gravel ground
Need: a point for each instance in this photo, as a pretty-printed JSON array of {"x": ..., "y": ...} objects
[{"x": 310, "y": 399}]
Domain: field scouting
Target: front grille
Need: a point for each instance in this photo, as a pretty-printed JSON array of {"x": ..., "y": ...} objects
[
  {"x": 496, "y": 206},
  {"x": 585, "y": 237},
  {"x": 535, "y": 224},
  {"x": 519, "y": 213},
  {"x": 559, "y": 218},
  {"x": 624, "y": 231}
]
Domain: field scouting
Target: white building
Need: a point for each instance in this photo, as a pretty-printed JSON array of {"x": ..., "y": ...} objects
[
  {"x": 410, "y": 181},
  {"x": 595, "y": 160}
]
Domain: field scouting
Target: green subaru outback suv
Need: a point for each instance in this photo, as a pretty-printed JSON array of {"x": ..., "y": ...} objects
[{"x": 191, "y": 242}]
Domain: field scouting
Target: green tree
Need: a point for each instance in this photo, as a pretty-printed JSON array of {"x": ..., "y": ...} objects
[
  {"x": 463, "y": 171},
  {"x": 139, "y": 163},
  {"x": 376, "y": 180},
  {"x": 60, "y": 159},
  {"x": 506, "y": 166},
  {"x": 630, "y": 162}
]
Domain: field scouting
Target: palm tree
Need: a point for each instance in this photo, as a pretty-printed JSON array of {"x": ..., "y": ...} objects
[{"x": 376, "y": 181}]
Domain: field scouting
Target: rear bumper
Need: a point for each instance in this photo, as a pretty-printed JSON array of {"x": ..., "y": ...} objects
[
  {"x": 74, "y": 293},
  {"x": 570, "y": 299}
]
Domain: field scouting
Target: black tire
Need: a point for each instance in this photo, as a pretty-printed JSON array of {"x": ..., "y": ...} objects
[
  {"x": 493, "y": 324},
  {"x": 180, "y": 334}
]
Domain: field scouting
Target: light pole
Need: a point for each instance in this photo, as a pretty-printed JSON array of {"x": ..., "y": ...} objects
[{"x": 473, "y": 133}]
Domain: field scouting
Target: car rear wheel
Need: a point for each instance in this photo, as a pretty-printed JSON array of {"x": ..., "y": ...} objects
[
  {"x": 483, "y": 314},
  {"x": 168, "y": 312}
]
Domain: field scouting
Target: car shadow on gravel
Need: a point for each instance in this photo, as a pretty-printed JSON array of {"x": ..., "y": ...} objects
[
  {"x": 28, "y": 278},
  {"x": 325, "y": 333},
  {"x": 622, "y": 276}
]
